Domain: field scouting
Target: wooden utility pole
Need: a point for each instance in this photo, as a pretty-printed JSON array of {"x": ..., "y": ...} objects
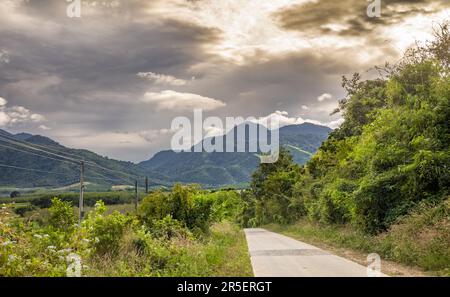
[
  {"x": 146, "y": 185},
  {"x": 135, "y": 195},
  {"x": 81, "y": 205}
]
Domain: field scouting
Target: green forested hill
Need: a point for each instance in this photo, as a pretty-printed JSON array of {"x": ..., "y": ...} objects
[
  {"x": 234, "y": 168},
  {"x": 165, "y": 168},
  {"x": 59, "y": 166}
]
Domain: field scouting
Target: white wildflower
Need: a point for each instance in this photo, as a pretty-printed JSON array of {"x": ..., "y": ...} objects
[
  {"x": 7, "y": 243},
  {"x": 64, "y": 251},
  {"x": 38, "y": 236}
]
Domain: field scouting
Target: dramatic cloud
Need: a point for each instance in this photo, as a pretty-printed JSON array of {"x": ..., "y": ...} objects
[
  {"x": 324, "y": 97},
  {"x": 161, "y": 79},
  {"x": 113, "y": 80},
  {"x": 283, "y": 119},
  {"x": 171, "y": 100},
  {"x": 349, "y": 17},
  {"x": 11, "y": 116}
]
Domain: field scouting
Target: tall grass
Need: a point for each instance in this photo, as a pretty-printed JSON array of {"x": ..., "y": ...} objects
[{"x": 221, "y": 253}]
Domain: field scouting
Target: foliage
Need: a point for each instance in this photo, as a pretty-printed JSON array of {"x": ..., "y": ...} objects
[
  {"x": 22, "y": 209},
  {"x": 123, "y": 245},
  {"x": 167, "y": 228},
  {"x": 62, "y": 216},
  {"x": 272, "y": 186},
  {"x": 183, "y": 204},
  {"x": 390, "y": 154},
  {"x": 105, "y": 231}
]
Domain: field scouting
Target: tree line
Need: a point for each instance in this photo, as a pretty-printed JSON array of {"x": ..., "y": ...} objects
[{"x": 391, "y": 152}]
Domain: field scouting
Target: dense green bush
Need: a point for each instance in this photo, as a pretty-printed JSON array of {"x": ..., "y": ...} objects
[
  {"x": 391, "y": 152},
  {"x": 105, "y": 231},
  {"x": 22, "y": 209},
  {"x": 62, "y": 216},
  {"x": 167, "y": 228},
  {"x": 184, "y": 204},
  {"x": 118, "y": 245}
]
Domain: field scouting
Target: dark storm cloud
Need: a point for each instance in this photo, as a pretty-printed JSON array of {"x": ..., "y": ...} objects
[
  {"x": 82, "y": 60},
  {"x": 282, "y": 83},
  {"x": 81, "y": 74},
  {"x": 315, "y": 17}
]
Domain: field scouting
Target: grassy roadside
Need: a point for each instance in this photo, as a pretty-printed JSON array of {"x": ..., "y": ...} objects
[
  {"x": 227, "y": 252},
  {"x": 420, "y": 240},
  {"x": 31, "y": 246},
  {"x": 222, "y": 253}
]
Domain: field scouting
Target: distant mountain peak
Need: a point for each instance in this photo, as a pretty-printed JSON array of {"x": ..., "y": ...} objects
[
  {"x": 22, "y": 136},
  {"x": 5, "y": 133},
  {"x": 217, "y": 168},
  {"x": 42, "y": 140}
]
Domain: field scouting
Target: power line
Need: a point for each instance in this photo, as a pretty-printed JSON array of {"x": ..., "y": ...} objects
[
  {"x": 46, "y": 147},
  {"x": 105, "y": 177},
  {"x": 36, "y": 149},
  {"x": 47, "y": 157},
  {"x": 45, "y": 171},
  {"x": 71, "y": 160},
  {"x": 30, "y": 169},
  {"x": 34, "y": 154},
  {"x": 15, "y": 142},
  {"x": 111, "y": 170}
]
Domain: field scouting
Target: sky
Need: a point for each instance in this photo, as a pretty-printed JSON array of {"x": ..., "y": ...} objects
[{"x": 112, "y": 80}]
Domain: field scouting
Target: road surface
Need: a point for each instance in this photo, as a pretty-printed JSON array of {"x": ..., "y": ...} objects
[{"x": 276, "y": 255}]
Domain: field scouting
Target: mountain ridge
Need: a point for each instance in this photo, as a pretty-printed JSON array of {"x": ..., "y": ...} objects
[{"x": 164, "y": 168}]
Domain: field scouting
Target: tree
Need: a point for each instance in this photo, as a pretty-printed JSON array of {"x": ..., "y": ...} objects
[{"x": 14, "y": 194}]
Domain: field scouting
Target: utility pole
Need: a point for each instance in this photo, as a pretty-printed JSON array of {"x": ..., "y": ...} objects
[
  {"x": 146, "y": 185},
  {"x": 81, "y": 205},
  {"x": 136, "y": 195}
]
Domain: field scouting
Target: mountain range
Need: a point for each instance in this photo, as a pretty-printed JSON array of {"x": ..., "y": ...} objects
[{"x": 22, "y": 163}]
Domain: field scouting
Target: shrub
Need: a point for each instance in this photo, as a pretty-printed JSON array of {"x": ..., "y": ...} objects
[
  {"x": 167, "y": 228},
  {"x": 105, "y": 232},
  {"x": 62, "y": 216},
  {"x": 155, "y": 206},
  {"x": 185, "y": 204},
  {"x": 21, "y": 210}
]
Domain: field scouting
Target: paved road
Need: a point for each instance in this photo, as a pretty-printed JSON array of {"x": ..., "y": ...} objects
[{"x": 273, "y": 254}]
